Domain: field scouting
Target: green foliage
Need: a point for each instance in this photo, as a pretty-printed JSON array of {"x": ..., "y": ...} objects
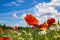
[
  {"x": 31, "y": 34},
  {"x": 25, "y": 33}
]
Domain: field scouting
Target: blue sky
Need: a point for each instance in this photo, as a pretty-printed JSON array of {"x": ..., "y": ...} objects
[
  {"x": 14, "y": 5},
  {"x": 12, "y": 11}
]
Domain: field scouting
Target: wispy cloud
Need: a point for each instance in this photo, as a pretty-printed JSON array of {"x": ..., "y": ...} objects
[
  {"x": 14, "y": 3},
  {"x": 11, "y": 4},
  {"x": 34, "y": 1},
  {"x": 14, "y": 15},
  {"x": 4, "y": 21},
  {"x": 5, "y": 14},
  {"x": 55, "y": 3},
  {"x": 20, "y": 1}
]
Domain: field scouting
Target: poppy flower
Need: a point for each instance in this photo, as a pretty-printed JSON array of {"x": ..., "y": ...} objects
[
  {"x": 0, "y": 29},
  {"x": 43, "y": 26},
  {"x": 11, "y": 27},
  {"x": 5, "y": 30},
  {"x": 1, "y": 38},
  {"x": 31, "y": 20},
  {"x": 6, "y": 38},
  {"x": 16, "y": 27},
  {"x": 50, "y": 21}
]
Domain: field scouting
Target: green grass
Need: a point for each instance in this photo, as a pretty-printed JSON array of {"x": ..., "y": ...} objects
[{"x": 30, "y": 34}]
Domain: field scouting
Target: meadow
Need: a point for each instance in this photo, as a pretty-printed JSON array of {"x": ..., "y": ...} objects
[{"x": 8, "y": 33}]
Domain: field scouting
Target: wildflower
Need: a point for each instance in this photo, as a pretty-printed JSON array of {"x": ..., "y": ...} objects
[
  {"x": 1, "y": 38},
  {"x": 19, "y": 34},
  {"x": 43, "y": 26},
  {"x": 6, "y": 38},
  {"x": 0, "y": 29},
  {"x": 5, "y": 30},
  {"x": 56, "y": 24},
  {"x": 55, "y": 36},
  {"x": 29, "y": 34},
  {"x": 11, "y": 31},
  {"x": 16, "y": 27},
  {"x": 31, "y": 38},
  {"x": 42, "y": 32},
  {"x": 20, "y": 38},
  {"x": 11, "y": 27},
  {"x": 50, "y": 21},
  {"x": 14, "y": 31},
  {"x": 55, "y": 28},
  {"x": 24, "y": 31},
  {"x": 31, "y": 20}
]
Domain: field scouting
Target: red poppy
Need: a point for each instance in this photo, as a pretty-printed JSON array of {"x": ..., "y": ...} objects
[
  {"x": 31, "y": 20},
  {"x": 5, "y": 30},
  {"x": 16, "y": 27},
  {"x": 11, "y": 27},
  {"x": 43, "y": 26},
  {"x": 1, "y": 38},
  {"x": 50, "y": 21},
  {"x": 6, "y": 38},
  {"x": 0, "y": 29}
]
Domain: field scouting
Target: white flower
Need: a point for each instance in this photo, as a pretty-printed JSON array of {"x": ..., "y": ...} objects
[
  {"x": 15, "y": 31},
  {"x": 55, "y": 36},
  {"x": 19, "y": 34},
  {"x": 20, "y": 38},
  {"x": 42, "y": 32},
  {"x": 59, "y": 27},
  {"x": 56, "y": 25},
  {"x": 30, "y": 34},
  {"x": 56, "y": 28},
  {"x": 31, "y": 38},
  {"x": 24, "y": 31},
  {"x": 52, "y": 28}
]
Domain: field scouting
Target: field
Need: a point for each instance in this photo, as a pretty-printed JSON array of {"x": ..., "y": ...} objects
[{"x": 29, "y": 34}]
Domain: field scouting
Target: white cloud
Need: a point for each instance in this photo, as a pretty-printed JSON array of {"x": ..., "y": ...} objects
[
  {"x": 14, "y": 3},
  {"x": 23, "y": 23},
  {"x": 17, "y": 24},
  {"x": 23, "y": 15},
  {"x": 14, "y": 15},
  {"x": 43, "y": 11},
  {"x": 54, "y": 3}
]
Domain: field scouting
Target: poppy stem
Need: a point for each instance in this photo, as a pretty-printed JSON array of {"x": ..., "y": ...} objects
[
  {"x": 46, "y": 38},
  {"x": 34, "y": 34}
]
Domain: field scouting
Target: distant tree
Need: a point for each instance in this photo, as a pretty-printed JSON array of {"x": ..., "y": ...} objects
[
  {"x": 4, "y": 26},
  {"x": 0, "y": 25}
]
